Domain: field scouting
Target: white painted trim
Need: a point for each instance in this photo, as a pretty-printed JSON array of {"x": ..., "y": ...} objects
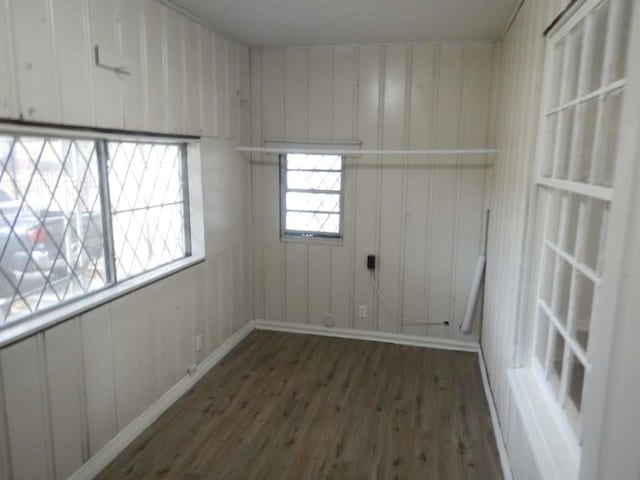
[
  {"x": 495, "y": 421},
  {"x": 117, "y": 444},
  {"x": 548, "y": 432},
  {"x": 354, "y": 152},
  {"x": 373, "y": 336}
]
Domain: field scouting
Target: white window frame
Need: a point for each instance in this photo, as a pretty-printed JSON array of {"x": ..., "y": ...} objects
[
  {"x": 284, "y": 189},
  {"x": 554, "y": 442},
  {"x": 193, "y": 218}
]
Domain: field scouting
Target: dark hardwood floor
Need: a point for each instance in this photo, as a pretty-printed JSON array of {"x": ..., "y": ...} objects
[{"x": 287, "y": 406}]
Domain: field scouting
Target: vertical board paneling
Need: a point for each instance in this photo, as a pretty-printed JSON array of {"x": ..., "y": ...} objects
[
  {"x": 145, "y": 335},
  {"x": 207, "y": 50},
  {"x": 422, "y": 216},
  {"x": 174, "y": 69},
  {"x": 8, "y": 100},
  {"x": 416, "y": 244},
  {"x": 296, "y": 125},
  {"x": 35, "y": 60},
  {"x": 124, "y": 314},
  {"x": 156, "y": 75},
  {"x": 222, "y": 98},
  {"x": 366, "y": 181},
  {"x": 444, "y": 193},
  {"x": 320, "y": 74},
  {"x": 179, "y": 73},
  {"x": 344, "y": 91},
  {"x": 99, "y": 376},
  {"x": 391, "y": 222},
  {"x": 233, "y": 86},
  {"x": 25, "y": 398},
  {"x": 132, "y": 85},
  {"x": 257, "y": 189},
  {"x": 5, "y": 454},
  {"x": 272, "y": 99},
  {"x": 74, "y": 54},
  {"x": 104, "y": 22},
  {"x": 518, "y": 64},
  {"x": 193, "y": 83},
  {"x": 65, "y": 393},
  {"x": 66, "y": 387}
]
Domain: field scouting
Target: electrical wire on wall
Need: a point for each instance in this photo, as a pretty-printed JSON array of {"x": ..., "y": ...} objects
[{"x": 386, "y": 309}]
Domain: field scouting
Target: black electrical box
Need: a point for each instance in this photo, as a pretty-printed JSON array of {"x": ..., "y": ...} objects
[{"x": 371, "y": 262}]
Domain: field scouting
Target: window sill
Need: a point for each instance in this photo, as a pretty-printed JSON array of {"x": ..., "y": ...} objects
[
  {"x": 552, "y": 440},
  {"x": 23, "y": 329},
  {"x": 335, "y": 242}
]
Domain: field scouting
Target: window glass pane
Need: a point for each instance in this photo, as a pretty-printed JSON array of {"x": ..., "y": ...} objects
[
  {"x": 576, "y": 382},
  {"x": 314, "y": 162},
  {"x": 317, "y": 202},
  {"x": 542, "y": 334},
  {"x": 561, "y": 289},
  {"x": 595, "y": 226},
  {"x": 570, "y": 211},
  {"x": 580, "y": 158},
  {"x": 51, "y": 239},
  {"x": 563, "y": 144},
  {"x": 583, "y": 293},
  {"x": 620, "y": 39},
  {"x": 303, "y": 180},
  {"x": 596, "y": 48},
  {"x": 572, "y": 64},
  {"x": 605, "y": 157},
  {"x": 557, "y": 358},
  {"x": 313, "y": 222},
  {"x": 145, "y": 183},
  {"x": 547, "y": 269}
]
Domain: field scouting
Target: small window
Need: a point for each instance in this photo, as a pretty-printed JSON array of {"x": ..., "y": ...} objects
[
  {"x": 78, "y": 215},
  {"x": 311, "y": 195}
]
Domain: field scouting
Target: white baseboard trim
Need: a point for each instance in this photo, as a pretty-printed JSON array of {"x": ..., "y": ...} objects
[
  {"x": 497, "y": 429},
  {"x": 399, "y": 338},
  {"x": 117, "y": 444}
]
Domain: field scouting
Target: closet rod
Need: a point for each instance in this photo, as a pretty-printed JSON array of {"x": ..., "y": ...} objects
[{"x": 353, "y": 152}]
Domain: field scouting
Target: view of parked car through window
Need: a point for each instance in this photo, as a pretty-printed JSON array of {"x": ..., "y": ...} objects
[{"x": 64, "y": 234}]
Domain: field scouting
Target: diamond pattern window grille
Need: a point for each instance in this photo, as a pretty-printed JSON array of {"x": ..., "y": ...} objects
[
  {"x": 147, "y": 205},
  {"x": 56, "y": 241},
  {"x": 312, "y": 195}
]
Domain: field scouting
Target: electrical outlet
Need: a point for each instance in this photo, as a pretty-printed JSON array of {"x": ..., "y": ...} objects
[
  {"x": 198, "y": 342},
  {"x": 362, "y": 311}
]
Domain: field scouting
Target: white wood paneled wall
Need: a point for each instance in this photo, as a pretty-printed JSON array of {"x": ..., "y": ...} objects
[
  {"x": 185, "y": 79},
  {"x": 519, "y": 69},
  {"x": 423, "y": 217},
  {"x": 67, "y": 391}
]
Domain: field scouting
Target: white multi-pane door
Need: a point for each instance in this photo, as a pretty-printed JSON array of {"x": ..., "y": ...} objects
[{"x": 583, "y": 97}]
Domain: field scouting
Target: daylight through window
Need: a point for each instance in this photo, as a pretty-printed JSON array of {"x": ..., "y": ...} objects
[
  {"x": 311, "y": 195},
  {"x": 78, "y": 215}
]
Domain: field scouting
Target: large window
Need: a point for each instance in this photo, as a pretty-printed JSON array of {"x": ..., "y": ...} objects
[
  {"x": 311, "y": 195},
  {"x": 584, "y": 90},
  {"x": 78, "y": 215}
]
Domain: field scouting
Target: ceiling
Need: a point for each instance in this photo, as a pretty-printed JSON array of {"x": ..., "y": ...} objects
[{"x": 334, "y": 22}]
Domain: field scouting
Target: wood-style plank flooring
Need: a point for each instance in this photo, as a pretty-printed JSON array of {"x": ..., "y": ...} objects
[{"x": 287, "y": 406}]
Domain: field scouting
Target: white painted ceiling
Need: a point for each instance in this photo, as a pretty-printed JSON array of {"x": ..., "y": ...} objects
[{"x": 333, "y": 22}]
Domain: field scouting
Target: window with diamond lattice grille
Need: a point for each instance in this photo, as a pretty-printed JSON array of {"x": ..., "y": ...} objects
[
  {"x": 78, "y": 215},
  {"x": 311, "y": 188}
]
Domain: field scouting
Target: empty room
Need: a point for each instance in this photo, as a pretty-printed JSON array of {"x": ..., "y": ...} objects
[{"x": 319, "y": 239}]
